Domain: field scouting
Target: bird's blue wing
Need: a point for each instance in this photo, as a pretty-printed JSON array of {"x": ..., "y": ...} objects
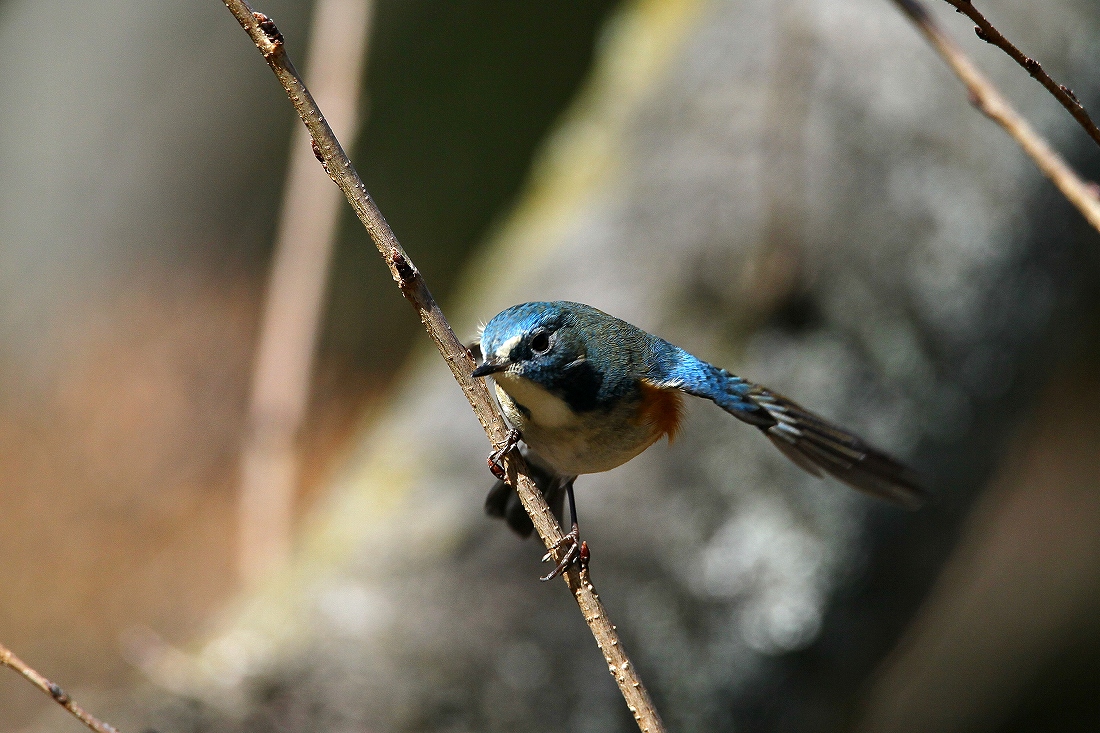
[
  {"x": 675, "y": 368},
  {"x": 810, "y": 441}
]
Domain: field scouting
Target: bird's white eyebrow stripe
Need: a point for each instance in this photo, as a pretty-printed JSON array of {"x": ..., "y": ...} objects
[{"x": 505, "y": 348}]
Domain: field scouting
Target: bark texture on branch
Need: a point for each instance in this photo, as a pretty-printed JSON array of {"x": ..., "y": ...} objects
[{"x": 988, "y": 32}]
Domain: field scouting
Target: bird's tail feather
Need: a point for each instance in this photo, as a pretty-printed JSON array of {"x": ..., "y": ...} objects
[
  {"x": 817, "y": 446},
  {"x": 503, "y": 501}
]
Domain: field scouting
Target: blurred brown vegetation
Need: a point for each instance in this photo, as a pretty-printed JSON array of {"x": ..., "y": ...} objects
[{"x": 118, "y": 483}]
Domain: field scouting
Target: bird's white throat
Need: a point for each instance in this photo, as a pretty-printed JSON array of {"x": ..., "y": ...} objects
[{"x": 547, "y": 410}]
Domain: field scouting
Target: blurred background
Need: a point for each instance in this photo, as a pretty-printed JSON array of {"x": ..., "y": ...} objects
[{"x": 797, "y": 191}]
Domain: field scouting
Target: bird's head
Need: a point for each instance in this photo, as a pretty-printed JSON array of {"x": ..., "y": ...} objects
[{"x": 534, "y": 341}]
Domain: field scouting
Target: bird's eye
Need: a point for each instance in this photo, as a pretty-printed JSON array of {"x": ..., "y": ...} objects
[{"x": 540, "y": 342}]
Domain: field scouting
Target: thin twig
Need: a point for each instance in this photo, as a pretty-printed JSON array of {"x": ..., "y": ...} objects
[
  {"x": 267, "y": 38},
  {"x": 988, "y": 33},
  {"x": 993, "y": 105},
  {"x": 8, "y": 659}
]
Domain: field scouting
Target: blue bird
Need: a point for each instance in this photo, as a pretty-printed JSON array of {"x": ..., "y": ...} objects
[{"x": 587, "y": 392}]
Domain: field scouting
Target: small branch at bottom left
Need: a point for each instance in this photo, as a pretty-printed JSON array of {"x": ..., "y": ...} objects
[{"x": 8, "y": 659}]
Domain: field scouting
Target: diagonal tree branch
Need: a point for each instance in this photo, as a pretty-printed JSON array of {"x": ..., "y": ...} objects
[
  {"x": 269, "y": 41},
  {"x": 988, "y": 33},
  {"x": 993, "y": 105},
  {"x": 8, "y": 659}
]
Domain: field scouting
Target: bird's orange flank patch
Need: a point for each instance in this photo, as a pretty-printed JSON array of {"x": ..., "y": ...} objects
[{"x": 662, "y": 408}]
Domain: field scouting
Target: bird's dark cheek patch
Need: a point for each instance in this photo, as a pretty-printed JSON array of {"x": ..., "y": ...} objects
[{"x": 579, "y": 385}]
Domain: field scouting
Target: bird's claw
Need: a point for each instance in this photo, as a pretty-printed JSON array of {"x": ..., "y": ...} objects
[
  {"x": 496, "y": 467},
  {"x": 575, "y": 552}
]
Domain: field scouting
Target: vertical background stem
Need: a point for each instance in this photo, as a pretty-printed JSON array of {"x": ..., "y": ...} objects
[{"x": 295, "y": 300}]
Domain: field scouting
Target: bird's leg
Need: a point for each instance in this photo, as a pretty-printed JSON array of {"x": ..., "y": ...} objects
[
  {"x": 494, "y": 460},
  {"x": 576, "y": 551}
]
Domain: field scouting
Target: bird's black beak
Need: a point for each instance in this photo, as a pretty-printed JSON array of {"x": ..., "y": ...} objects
[{"x": 491, "y": 365}]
